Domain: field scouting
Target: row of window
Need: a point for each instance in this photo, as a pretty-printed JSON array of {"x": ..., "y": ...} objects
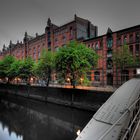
[
  {"x": 119, "y": 41},
  {"x": 64, "y": 39},
  {"x": 137, "y": 49},
  {"x": 124, "y": 74},
  {"x": 131, "y": 39},
  {"x": 63, "y": 30},
  {"x": 94, "y": 46}
]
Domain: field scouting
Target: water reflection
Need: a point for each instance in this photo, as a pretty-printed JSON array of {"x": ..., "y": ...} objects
[
  {"x": 5, "y": 134},
  {"x": 22, "y": 120}
]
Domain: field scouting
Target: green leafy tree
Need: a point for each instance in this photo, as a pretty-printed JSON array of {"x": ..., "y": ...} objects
[
  {"x": 2, "y": 71},
  {"x": 5, "y": 65},
  {"x": 122, "y": 58},
  {"x": 14, "y": 70},
  {"x": 25, "y": 70},
  {"x": 75, "y": 60},
  {"x": 45, "y": 66}
]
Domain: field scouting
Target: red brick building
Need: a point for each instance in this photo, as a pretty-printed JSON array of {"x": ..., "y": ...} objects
[
  {"x": 53, "y": 38},
  {"x": 81, "y": 30},
  {"x": 105, "y": 73}
]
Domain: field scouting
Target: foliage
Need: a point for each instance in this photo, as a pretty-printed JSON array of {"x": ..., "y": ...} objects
[
  {"x": 75, "y": 60},
  {"x": 14, "y": 70},
  {"x": 25, "y": 70},
  {"x": 5, "y": 65},
  {"x": 122, "y": 57},
  {"x": 2, "y": 71},
  {"x": 45, "y": 66},
  {"x": 85, "y": 81}
]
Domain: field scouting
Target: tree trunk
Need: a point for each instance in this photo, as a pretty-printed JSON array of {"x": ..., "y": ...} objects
[
  {"x": 49, "y": 77},
  {"x": 73, "y": 81}
]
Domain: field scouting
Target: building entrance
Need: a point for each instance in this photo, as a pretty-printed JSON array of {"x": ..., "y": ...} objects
[{"x": 109, "y": 79}]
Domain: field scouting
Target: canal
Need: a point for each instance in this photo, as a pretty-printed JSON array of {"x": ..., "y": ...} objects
[{"x": 22, "y": 119}]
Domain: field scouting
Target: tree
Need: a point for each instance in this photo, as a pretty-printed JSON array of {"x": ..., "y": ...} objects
[
  {"x": 14, "y": 70},
  {"x": 25, "y": 70},
  {"x": 75, "y": 60},
  {"x": 122, "y": 58},
  {"x": 2, "y": 71},
  {"x": 45, "y": 66},
  {"x": 5, "y": 65}
]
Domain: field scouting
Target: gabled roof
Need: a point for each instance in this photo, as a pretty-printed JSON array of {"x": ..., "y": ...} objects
[{"x": 109, "y": 31}]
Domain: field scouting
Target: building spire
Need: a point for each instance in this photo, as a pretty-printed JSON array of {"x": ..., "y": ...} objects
[
  {"x": 49, "y": 22},
  {"x": 75, "y": 16},
  {"x": 109, "y": 31},
  {"x": 10, "y": 42},
  {"x": 26, "y": 34}
]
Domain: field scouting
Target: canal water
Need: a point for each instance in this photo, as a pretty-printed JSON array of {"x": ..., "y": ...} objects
[{"x": 22, "y": 119}]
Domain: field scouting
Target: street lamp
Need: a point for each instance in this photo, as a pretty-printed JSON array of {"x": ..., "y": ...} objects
[{"x": 68, "y": 80}]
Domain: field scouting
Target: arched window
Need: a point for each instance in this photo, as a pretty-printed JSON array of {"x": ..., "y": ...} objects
[
  {"x": 125, "y": 39},
  {"x": 119, "y": 41},
  {"x": 131, "y": 38},
  {"x": 96, "y": 46},
  {"x": 109, "y": 42},
  {"x": 88, "y": 45},
  {"x": 137, "y": 37}
]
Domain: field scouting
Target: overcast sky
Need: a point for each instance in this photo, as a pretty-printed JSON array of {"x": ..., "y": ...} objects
[{"x": 18, "y": 16}]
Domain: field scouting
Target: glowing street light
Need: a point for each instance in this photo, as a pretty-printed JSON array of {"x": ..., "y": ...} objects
[
  {"x": 68, "y": 79},
  {"x": 78, "y": 132}
]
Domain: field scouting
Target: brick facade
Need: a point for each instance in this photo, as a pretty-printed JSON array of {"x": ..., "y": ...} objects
[
  {"x": 105, "y": 73},
  {"x": 82, "y": 30}
]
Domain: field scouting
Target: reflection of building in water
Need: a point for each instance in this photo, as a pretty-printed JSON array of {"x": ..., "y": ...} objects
[
  {"x": 33, "y": 124},
  {"x": 7, "y": 134}
]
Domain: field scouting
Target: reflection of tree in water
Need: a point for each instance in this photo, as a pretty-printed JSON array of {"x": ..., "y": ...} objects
[{"x": 35, "y": 125}]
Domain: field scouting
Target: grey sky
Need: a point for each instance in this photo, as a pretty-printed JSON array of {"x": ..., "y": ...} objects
[{"x": 18, "y": 16}]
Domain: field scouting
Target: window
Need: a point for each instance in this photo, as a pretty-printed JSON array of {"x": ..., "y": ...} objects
[
  {"x": 93, "y": 47},
  {"x": 130, "y": 38},
  {"x": 109, "y": 53},
  {"x": 64, "y": 38},
  {"x": 131, "y": 49},
  {"x": 137, "y": 37},
  {"x": 88, "y": 45},
  {"x": 119, "y": 41},
  {"x": 96, "y": 46},
  {"x": 97, "y": 76},
  {"x": 101, "y": 44},
  {"x": 125, "y": 39},
  {"x": 137, "y": 49},
  {"x": 109, "y": 63},
  {"x": 71, "y": 33},
  {"x": 109, "y": 42}
]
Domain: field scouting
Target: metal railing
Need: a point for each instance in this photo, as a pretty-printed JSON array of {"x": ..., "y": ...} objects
[{"x": 130, "y": 130}]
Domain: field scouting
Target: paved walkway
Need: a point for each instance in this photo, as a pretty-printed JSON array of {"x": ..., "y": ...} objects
[{"x": 107, "y": 88}]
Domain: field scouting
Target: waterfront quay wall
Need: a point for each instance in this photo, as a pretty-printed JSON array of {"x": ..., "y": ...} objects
[{"x": 78, "y": 98}]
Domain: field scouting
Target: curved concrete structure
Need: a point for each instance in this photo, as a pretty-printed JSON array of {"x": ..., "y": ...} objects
[{"x": 111, "y": 112}]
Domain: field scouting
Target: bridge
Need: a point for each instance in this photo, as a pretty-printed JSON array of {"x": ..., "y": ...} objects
[{"x": 118, "y": 118}]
